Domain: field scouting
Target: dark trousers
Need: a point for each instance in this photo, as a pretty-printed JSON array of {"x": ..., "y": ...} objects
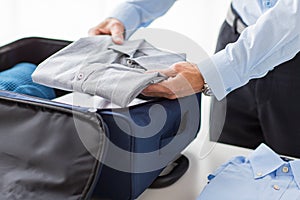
[{"x": 266, "y": 110}]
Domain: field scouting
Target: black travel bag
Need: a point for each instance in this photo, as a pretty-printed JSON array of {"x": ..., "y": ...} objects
[{"x": 51, "y": 150}]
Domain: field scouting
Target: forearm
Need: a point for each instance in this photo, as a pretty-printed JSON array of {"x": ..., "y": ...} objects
[
  {"x": 140, "y": 13},
  {"x": 272, "y": 40}
]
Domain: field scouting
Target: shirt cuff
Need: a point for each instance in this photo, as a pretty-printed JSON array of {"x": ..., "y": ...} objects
[
  {"x": 130, "y": 18},
  {"x": 219, "y": 74}
]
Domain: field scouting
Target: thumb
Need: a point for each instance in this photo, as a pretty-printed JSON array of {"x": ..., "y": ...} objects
[{"x": 117, "y": 33}]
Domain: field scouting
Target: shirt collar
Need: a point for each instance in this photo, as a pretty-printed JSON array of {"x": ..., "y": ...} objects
[
  {"x": 131, "y": 46},
  {"x": 264, "y": 161},
  {"x": 295, "y": 166}
]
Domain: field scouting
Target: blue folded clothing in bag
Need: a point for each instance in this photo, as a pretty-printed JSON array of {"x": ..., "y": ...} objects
[{"x": 18, "y": 79}]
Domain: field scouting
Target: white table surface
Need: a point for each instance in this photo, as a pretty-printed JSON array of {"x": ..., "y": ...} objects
[{"x": 204, "y": 158}]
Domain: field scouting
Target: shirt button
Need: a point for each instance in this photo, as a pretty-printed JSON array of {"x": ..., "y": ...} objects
[
  {"x": 259, "y": 174},
  {"x": 268, "y": 3},
  {"x": 228, "y": 89},
  {"x": 276, "y": 187},
  {"x": 285, "y": 169},
  {"x": 80, "y": 76},
  {"x": 129, "y": 62}
]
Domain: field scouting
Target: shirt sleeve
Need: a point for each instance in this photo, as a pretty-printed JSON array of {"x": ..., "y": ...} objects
[
  {"x": 272, "y": 40},
  {"x": 140, "y": 13}
]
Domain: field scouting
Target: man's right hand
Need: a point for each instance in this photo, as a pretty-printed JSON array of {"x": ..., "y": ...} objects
[
  {"x": 110, "y": 26},
  {"x": 184, "y": 79}
]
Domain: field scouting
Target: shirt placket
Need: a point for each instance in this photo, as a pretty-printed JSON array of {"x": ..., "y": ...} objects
[
  {"x": 280, "y": 183},
  {"x": 267, "y": 4},
  {"x": 81, "y": 77}
]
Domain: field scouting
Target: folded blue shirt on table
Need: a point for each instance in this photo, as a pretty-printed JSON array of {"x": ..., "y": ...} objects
[{"x": 263, "y": 175}]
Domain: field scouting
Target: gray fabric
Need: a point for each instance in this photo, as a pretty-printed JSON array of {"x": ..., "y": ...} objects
[
  {"x": 97, "y": 66},
  {"x": 48, "y": 152}
]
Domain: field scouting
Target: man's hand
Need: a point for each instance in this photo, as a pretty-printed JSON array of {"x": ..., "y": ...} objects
[
  {"x": 110, "y": 26},
  {"x": 184, "y": 79}
]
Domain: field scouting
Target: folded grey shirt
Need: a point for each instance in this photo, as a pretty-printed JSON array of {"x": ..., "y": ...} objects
[{"x": 97, "y": 66}]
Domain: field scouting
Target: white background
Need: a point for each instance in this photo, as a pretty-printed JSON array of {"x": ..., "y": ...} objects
[{"x": 70, "y": 19}]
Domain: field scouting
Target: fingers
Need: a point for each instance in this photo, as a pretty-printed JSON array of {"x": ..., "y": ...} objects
[
  {"x": 167, "y": 72},
  {"x": 100, "y": 29},
  {"x": 162, "y": 89},
  {"x": 171, "y": 88},
  {"x": 184, "y": 79},
  {"x": 112, "y": 27},
  {"x": 94, "y": 31},
  {"x": 117, "y": 33},
  {"x": 159, "y": 90},
  {"x": 174, "y": 70}
]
